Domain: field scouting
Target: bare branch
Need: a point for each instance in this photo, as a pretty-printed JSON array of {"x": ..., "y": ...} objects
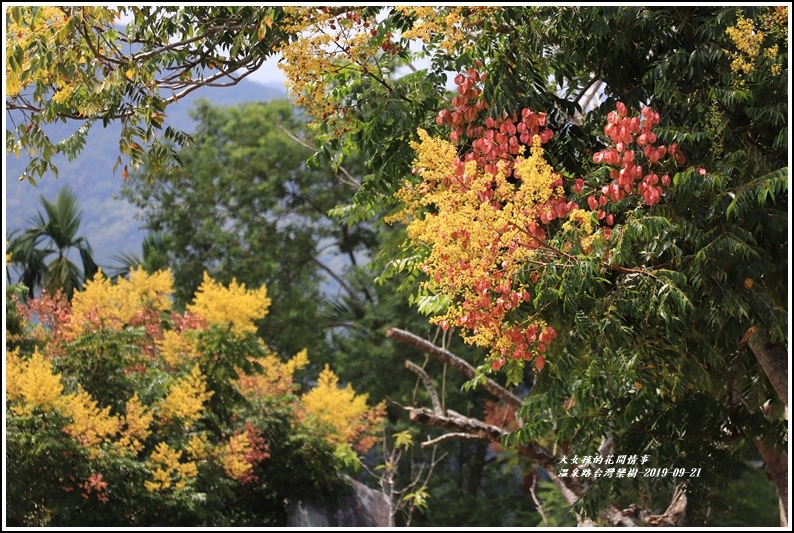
[
  {"x": 335, "y": 277},
  {"x": 672, "y": 517},
  {"x": 416, "y": 369},
  {"x": 471, "y": 426},
  {"x": 455, "y": 362},
  {"x": 350, "y": 181},
  {"x": 448, "y": 436},
  {"x": 535, "y": 499}
]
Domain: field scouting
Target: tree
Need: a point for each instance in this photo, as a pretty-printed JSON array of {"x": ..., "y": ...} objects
[
  {"x": 154, "y": 250},
  {"x": 133, "y": 74},
  {"x": 244, "y": 206},
  {"x": 273, "y": 233},
  {"x": 644, "y": 290},
  {"x": 634, "y": 283},
  {"x": 53, "y": 233},
  {"x": 160, "y": 418}
]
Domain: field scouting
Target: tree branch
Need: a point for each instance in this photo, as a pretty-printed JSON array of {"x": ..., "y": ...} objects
[
  {"x": 471, "y": 426},
  {"x": 350, "y": 181},
  {"x": 589, "y": 84},
  {"x": 335, "y": 277},
  {"x": 445, "y": 356},
  {"x": 416, "y": 369},
  {"x": 448, "y": 436}
]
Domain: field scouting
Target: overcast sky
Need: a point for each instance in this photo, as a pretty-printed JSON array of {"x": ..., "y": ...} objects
[{"x": 269, "y": 72}]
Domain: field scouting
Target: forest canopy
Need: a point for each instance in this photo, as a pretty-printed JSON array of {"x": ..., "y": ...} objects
[{"x": 599, "y": 208}]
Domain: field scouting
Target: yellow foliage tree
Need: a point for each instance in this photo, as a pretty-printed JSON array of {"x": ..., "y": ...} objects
[
  {"x": 233, "y": 306},
  {"x": 157, "y": 420},
  {"x": 347, "y": 413}
]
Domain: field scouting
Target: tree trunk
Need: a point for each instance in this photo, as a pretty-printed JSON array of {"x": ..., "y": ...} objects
[
  {"x": 773, "y": 360},
  {"x": 776, "y": 463}
]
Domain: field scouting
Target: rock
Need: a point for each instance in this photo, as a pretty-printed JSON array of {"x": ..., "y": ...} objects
[{"x": 362, "y": 507}]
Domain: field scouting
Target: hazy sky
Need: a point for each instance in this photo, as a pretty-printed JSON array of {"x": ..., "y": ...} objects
[{"x": 269, "y": 72}]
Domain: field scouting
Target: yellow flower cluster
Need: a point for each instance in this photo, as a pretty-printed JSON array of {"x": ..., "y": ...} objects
[
  {"x": 779, "y": 18},
  {"x": 748, "y": 37},
  {"x": 537, "y": 178},
  {"x": 112, "y": 306},
  {"x": 233, "y": 456},
  {"x": 433, "y": 163},
  {"x": 166, "y": 469},
  {"x": 197, "y": 447},
  {"x": 32, "y": 382},
  {"x": 748, "y": 42},
  {"x": 176, "y": 348},
  {"x": 185, "y": 400},
  {"x": 342, "y": 409},
  {"x": 276, "y": 377},
  {"x": 90, "y": 425},
  {"x": 478, "y": 226},
  {"x": 234, "y": 306},
  {"x": 583, "y": 220},
  {"x": 138, "y": 420},
  {"x": 454, "y": 24},
  {"x": 328, "y": 43}
]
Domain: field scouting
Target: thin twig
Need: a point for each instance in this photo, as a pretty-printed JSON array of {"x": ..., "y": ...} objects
[
  {"x": 416, "y": 369},
  {"x": 535, "y": 499},
  {"x": 350, "y": 181}
]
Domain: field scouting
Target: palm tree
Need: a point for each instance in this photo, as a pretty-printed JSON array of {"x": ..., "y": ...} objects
[
  {"x": 55, "y": 235},
  {"x": 155, "y": 255}
]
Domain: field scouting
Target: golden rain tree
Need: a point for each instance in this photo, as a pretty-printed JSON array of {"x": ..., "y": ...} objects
[{"x": 111, "y": 412}]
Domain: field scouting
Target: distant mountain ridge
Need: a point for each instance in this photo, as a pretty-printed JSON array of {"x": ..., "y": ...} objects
[{"x": 109, "y": 224}]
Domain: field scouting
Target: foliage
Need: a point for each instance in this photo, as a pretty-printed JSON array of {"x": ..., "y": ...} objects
[
  {"x": 463, "y": 471},
  {"x": 154, "y": 249},
  {"x": 76, "y": 64},
  {"x": 262, "y": 215},
  {"x": 664, "y": 245},
  {"x": 54, "y": 233},
  {"x": 160, "y": 418},
  {"x": 662, "y": 252},
  {"x": 747, "y": 501}
]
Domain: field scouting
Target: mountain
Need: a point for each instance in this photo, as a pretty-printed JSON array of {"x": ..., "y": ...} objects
[{"x": 109, "y": 224}]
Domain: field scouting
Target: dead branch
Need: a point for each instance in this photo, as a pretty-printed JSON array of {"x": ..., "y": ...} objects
[
  {"x": 455, "y": 362},
  {"x": 448, "y": 436},
  {"x": 416, "y": 369},
  {"x": 348, "y": 180},
  {"x": 464, "y": 427}
]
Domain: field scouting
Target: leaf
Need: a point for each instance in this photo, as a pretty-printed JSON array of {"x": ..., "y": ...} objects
[
  {"x": 417, "y": 498},
  {"x": 403, "y": 439}
]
